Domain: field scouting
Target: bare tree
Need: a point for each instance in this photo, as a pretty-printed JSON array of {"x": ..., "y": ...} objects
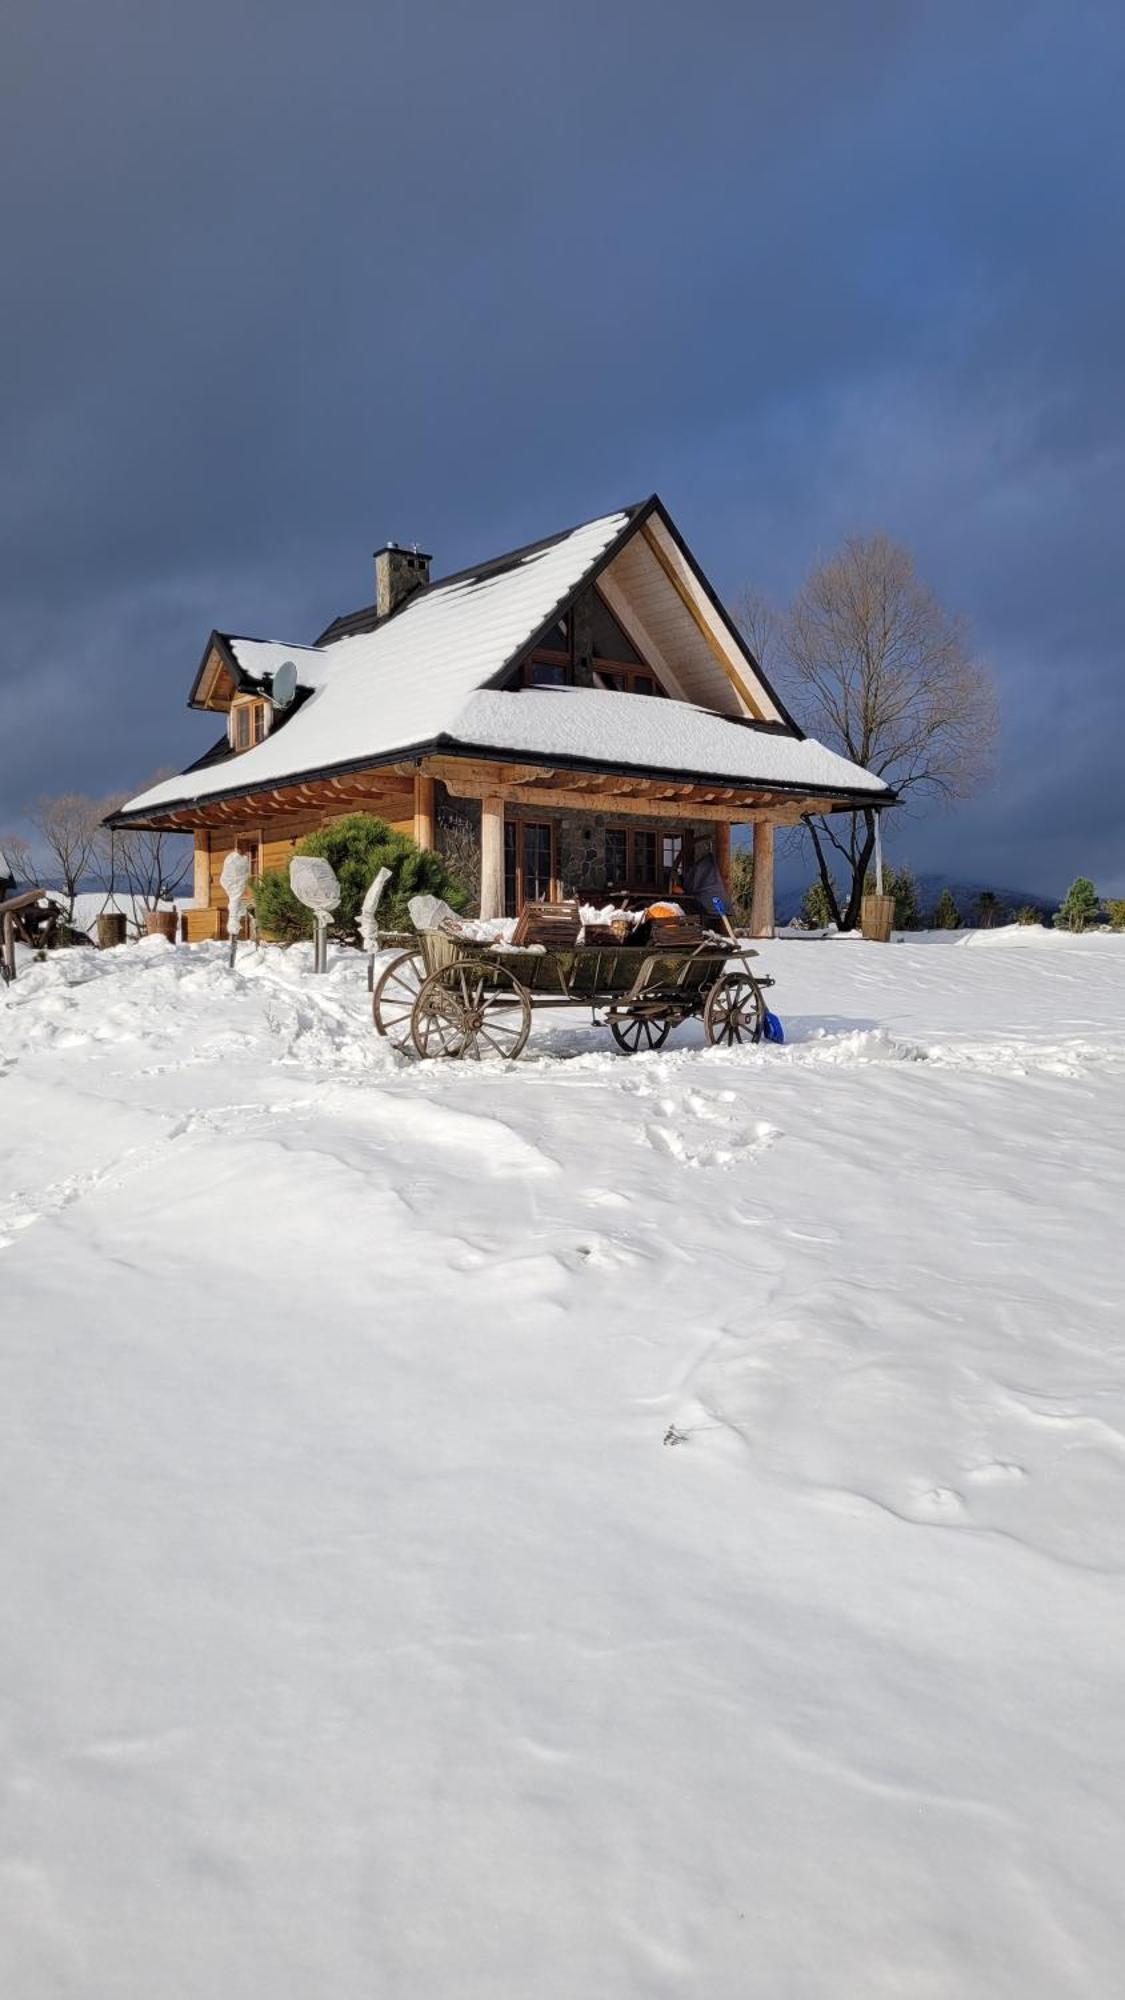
[
  {"x": 764, "y": 627},
  {"x": 17, "y": 853},
  {"x": 150, "y": 864},
  {"x": 872, "y": 664},
  {"x": 69, "y": 828}
]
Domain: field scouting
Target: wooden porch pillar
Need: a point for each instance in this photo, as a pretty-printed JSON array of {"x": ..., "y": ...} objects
[
  {"x": 720, "y": 848},
  {"x": 201, "y": 871},
  {"x": 423, "y": 810},
  {"x": 761, "y": 907},
  {"x": 492, "y": 857}
]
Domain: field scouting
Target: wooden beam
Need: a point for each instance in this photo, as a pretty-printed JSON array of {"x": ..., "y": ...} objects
[
  {"x": 633, "y": 808},
  {"x": 492, "y": 856},
  {"x": 475, "y": 778},
  {"x": 423, "y": 810},
  {"x": 672, "y": 563},
  {"x": 761, "y": 906}
]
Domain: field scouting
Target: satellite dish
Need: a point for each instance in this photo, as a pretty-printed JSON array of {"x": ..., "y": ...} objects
[{"x": 283, "y": 684}]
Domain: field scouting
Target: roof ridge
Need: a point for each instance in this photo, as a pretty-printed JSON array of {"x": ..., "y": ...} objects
[{"x": 366, "y": 618}]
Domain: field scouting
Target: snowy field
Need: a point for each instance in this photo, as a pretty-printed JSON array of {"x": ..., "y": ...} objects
[{"x": 603, "y": 1528}]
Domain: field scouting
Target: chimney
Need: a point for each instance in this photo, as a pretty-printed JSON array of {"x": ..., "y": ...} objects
[{"x": 398, "y": 572}]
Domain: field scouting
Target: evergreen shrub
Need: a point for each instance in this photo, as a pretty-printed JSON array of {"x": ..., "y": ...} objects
[
  {"x": 1079, "y": 907},
  {"x": 357, "y": 846}
]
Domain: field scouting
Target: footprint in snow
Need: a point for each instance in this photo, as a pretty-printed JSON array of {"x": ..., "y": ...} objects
[
  {"x": 997, "y": 1473},
  {"x": 939, "y": 1503},
  {"x": 708, "y": 1149}
]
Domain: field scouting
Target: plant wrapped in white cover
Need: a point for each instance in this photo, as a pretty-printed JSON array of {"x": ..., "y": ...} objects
[
  {"x": 315, "y": 884},
  {"x": 429, "y": 913},
  {"x": 369, "y": 911},
  {"x": 235, "y": 879}
]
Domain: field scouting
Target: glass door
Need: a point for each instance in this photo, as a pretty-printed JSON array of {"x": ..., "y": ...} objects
[
  {"x": 529, "y": 863},
  {"x": 536, "y": 861}
]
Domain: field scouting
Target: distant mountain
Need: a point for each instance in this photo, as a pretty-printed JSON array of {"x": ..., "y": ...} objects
[
  {"x": 965, "y": 894},
  {"x": 930, "y": 888}
]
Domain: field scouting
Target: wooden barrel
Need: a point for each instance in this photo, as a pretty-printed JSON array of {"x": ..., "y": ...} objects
[
  {"x": 111, "y": 929},
  {"x": 162, "y": 923},
  {"x": 877, "y": 915}
]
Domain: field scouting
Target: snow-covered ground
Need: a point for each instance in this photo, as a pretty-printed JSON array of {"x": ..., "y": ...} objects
[{"x": 601, "y": 1528}]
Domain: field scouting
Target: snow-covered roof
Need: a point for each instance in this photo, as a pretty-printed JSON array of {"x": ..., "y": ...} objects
[
  {"x": 635, "y": 732},
  {"x": 260, "y": 658},
  {"x": 421, "y": 678}
]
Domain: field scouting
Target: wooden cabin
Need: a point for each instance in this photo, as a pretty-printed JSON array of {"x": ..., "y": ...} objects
[{"x": 579, "y": 714}]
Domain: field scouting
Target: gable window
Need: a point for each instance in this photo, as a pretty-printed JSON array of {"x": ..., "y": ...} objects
[
  {"x": 610, "y": 642},
  {"x": 624, "y": 680},
  {"x": 617, "y": 663},
  {"x": 549, "y": 665}
]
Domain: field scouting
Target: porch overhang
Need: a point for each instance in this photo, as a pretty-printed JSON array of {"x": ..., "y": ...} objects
[{"x": 471, "y": 771}]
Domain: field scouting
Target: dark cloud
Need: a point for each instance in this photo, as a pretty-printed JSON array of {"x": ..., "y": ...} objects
[{"x": 283, "y": 282}]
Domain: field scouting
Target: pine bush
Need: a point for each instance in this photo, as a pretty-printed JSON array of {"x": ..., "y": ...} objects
[
  {"x": 900, "y": 883},
  {"x": 987, "y": 909},
  {"x": 357, "y": 846},
  {"x": 1079, "y": 907},
  {"x": 816, "y": 911}
]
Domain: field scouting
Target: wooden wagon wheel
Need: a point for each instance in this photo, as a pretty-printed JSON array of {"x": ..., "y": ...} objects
[
  {"x": 641, "y": 1031},
  {"x": 471, "y": 1009},
  {"x": 735, "y": 1010},
  {"x": 392, "y": 1003}
]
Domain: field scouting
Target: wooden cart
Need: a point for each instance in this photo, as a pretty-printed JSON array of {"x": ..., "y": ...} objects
[{"x": 450, "y": 997}]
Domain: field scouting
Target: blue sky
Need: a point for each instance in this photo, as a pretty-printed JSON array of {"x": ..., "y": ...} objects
[{"x": 283, "y": 283}]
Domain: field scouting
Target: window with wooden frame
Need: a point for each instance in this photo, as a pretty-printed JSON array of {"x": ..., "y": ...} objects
[
  {"x": 623, "y": 680},
  {"x": 250, "y": 844},
  {"x": 617, "y": 663},
  {"x": 550, "y": 665},
  {"x": 642, "y": 858},
  {"x": 529, "y": 863},
  {"x": 249, "y": 724}
]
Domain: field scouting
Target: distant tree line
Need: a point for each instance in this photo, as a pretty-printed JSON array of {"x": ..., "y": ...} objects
[{"x": 1080, "y": 909}]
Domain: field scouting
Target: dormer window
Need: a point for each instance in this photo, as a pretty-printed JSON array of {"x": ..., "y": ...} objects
[{"x": 249, "y": 723}]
